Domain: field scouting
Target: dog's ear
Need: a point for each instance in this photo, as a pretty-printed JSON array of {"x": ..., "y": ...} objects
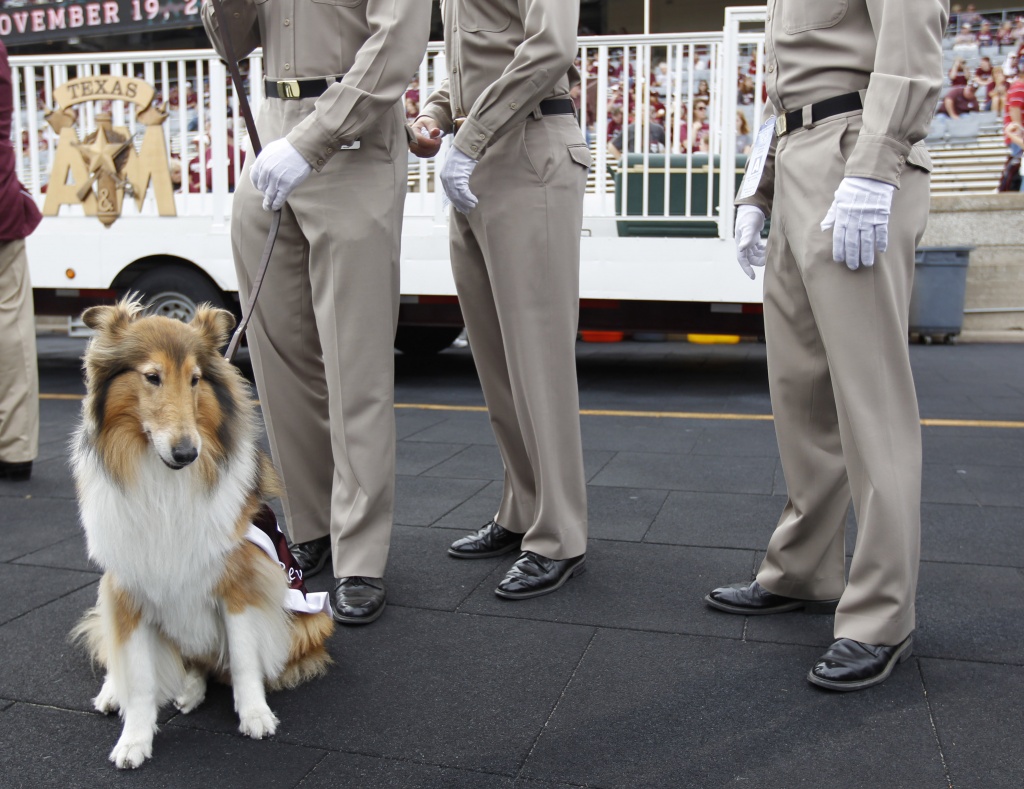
[
  {"x": 214, "y": 324},
  {"x": 112, "y": 319}
]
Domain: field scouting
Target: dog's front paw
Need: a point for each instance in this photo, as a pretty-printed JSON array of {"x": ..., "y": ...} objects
[
  {"x": 130, "y": 752},
  {"x": 106, "y": 700},
  {"x": 192, "y": 693},
  {"x": 258, "y": 723}
]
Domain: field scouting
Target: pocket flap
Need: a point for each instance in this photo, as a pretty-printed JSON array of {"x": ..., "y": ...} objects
[
  {"x": 919, "y": 157},
  {"x": 581, "y": 155}
]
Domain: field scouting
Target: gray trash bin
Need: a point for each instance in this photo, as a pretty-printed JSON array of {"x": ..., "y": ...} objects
[{"x": 937, "y": 300}]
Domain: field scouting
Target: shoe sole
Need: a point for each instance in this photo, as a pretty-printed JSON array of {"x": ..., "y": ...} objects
[
  {"x": 488, "y": 555},
  {"x": 899, "y": 656},
  {"x": 579, "y": 569},
  {"x": 807, "y": 606},
  {"x": 358, "y": 620}
]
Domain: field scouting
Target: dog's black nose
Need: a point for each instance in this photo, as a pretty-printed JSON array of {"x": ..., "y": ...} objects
[{"x": 184, "y": 453}]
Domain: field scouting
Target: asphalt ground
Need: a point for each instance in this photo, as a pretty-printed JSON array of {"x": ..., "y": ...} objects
[{"x": 621, "y": 679}]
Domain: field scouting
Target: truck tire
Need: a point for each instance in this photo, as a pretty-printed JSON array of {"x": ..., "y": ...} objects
[
  {"x": 425, "y": 340},
  {"x": 176, "y": 292}
]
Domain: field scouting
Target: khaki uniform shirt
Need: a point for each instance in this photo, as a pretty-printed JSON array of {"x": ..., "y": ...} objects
[
  {"x": 376, "y": 44},
  {"x": 504, "y": 58},
  {"x": 889, "y": 49}
]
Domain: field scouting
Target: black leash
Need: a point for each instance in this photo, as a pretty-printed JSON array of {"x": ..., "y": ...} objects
[{"x": 275, "y": 222}]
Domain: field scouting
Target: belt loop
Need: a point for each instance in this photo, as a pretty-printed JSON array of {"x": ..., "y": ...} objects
[
  {"x": 807, "y": 118},
  {"x": 536, "y": 113}
]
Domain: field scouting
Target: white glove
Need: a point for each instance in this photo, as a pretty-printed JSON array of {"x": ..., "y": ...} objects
[
  {"x": 860, "y": 214},
  {"x": 455, "y": 179},
  {"x": 277, "y": 171},
  {"x": 749, "y": 245}
]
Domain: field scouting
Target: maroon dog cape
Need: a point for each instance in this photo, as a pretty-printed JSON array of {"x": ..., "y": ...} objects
[{"x": 265, "y": 533}]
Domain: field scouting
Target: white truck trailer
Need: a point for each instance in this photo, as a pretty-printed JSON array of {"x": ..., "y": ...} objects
[{"x": 657, "y": 250}]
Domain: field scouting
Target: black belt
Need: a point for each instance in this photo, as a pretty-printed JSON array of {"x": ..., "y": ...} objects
[
  {"x": 297, "y": 88},
  {"x": 791, "y": 121},
  {"x": 557, "y": 107}
]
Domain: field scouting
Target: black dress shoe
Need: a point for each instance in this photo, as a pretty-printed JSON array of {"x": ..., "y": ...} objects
[
  {"x": 311, "y": 556},
  {"x": 851, "y": 665},
  {"x": 491, "y": 540},
  {"x": 533, "y": 575},
  {"x": 358, "y": 600},
  {"x": 753, "y": 599},
  {"x": 16, "y": 472}
]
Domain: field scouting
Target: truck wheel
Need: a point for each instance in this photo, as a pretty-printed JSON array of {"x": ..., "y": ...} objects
[
  {"x": 425, "y": 340},
  {"x": 176, "y": 292}
]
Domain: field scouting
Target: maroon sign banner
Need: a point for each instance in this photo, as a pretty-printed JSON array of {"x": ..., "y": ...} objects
[{"x": 35, "y": 21}]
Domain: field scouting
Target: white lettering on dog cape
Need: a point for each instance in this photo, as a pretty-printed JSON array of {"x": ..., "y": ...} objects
[{"x": 296, "y": 597}]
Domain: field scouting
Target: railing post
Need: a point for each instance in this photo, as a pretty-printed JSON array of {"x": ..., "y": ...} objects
[
  {"x": 218, "y": 138},
  {"x": 728, "y": 94}
]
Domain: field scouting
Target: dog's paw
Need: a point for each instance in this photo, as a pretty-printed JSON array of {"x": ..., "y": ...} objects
[
  {"x": 130, "y": 752},
  {"x": 258, "y": 723},
  {"x": 106, "y": 701},
  {"x": 192, "y": 693}
]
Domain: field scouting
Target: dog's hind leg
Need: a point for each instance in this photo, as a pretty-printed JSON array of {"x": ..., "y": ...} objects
[
  {"x": 245, "y": 653},
  {"x": 193, "y": 691}
]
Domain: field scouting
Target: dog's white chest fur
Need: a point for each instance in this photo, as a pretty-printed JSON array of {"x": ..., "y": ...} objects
[{"x": 166, "y": 539}]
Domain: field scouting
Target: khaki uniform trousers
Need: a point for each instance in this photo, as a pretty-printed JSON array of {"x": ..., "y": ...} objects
[
  {"x": 19, "y": 374},
  {"x": 843, "y": 396},
  {"x": 516, "y": 262},
  {"x": 322, "y": 336}
]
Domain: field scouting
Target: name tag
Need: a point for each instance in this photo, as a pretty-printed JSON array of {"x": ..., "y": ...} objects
[{"x": 758, "y": 157}]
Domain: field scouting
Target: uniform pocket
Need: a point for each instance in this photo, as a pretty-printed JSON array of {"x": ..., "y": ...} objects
[
  {"x": 919, "y": 157},
  {"x": 488, "y": 17},
  {"x": 581, "y": 155},
  {"x": 799, "y": 16}
]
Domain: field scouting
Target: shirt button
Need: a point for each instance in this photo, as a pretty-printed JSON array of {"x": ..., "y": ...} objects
[
  {"x": 237, "y": 15},
  {"x": 901, "y": 159},
  {"x": 287, "y": 23},
  {"x": 473, "y": 147},
  {"x": 329, "y": 150},
  {"x": 319, "y": 162},
  {"x": 481, "y": 136},
  {"x": 513, "y": 106},
  {"x": 287, "y": 66},
  {"x": 455, "y": 69},
  {"x": 771, "y": 67}
]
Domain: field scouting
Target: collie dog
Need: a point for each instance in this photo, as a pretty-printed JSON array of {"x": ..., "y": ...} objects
[{"x": 169, "y": 479}]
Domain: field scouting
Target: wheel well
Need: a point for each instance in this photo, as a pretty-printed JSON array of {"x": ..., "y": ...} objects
[{"x": 131, "y": 272}]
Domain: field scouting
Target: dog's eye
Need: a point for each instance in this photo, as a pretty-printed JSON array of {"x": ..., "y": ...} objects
[
  {"x": 195, "y": 380},
  {"x": 153, "y": 378}
]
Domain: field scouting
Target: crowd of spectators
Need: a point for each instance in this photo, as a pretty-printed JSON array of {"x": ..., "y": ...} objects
[
  {"x": 676, "y": 116},
  {"x": 986, "y": 75}
]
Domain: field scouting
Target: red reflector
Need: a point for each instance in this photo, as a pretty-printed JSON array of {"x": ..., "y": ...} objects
[
  {"x": 599, "y": 304},
  {"x": 438, "y": 299},
  {"x": 753, "y": 309}
]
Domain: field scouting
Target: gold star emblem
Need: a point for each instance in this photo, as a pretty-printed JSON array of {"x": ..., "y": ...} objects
[{"x": 101, "y": 153}]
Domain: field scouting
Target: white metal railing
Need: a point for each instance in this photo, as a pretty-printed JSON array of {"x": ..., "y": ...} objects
[{"x": 654, "y": 78}]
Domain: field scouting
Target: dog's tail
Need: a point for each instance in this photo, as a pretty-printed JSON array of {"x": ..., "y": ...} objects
[
  {"x": 88, "y": 633},
  {"x": 308, "y": 657}
]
